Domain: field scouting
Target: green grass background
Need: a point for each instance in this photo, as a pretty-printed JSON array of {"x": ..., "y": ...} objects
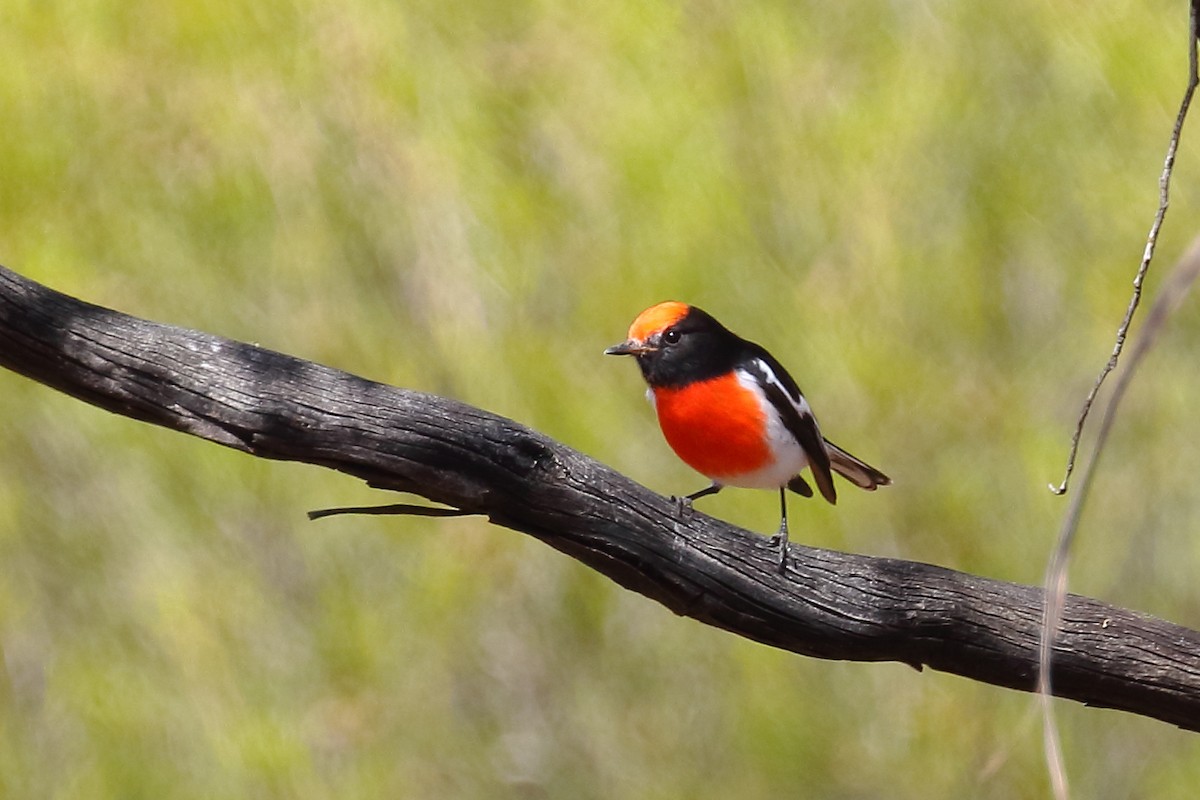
[{"x": 930, "y": 211}]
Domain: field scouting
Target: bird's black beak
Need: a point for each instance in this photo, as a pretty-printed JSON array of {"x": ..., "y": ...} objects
[{"x": 630, "y": 347}]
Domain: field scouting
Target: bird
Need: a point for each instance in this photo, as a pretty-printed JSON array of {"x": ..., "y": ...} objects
[{"x": 731, "y": 411}]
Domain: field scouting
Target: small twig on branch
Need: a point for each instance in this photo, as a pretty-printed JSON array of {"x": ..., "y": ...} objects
[{"x": 405, "y": 509}]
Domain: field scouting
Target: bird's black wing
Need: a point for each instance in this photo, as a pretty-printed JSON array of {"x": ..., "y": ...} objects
[{"x": 797, "y": 416}]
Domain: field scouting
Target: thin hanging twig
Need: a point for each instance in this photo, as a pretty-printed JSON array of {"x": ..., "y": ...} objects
[{"x": 1164, "y": 194}]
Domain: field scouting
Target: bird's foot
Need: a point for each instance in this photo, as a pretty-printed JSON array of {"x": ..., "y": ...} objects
[
  {"x": 780, "y": 540},
  {"x": 682, "y": 503}
]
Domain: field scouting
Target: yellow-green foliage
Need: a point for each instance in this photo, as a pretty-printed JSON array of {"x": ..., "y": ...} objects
[{"x": 930, "y": 211}]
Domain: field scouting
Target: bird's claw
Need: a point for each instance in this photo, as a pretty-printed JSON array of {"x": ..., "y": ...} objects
[
  {"x": 682, "y": 503},
  {"x": 780, "y": 540}
]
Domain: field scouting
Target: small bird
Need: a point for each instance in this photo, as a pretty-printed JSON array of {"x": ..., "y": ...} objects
[{"x": 732, "y": 412}]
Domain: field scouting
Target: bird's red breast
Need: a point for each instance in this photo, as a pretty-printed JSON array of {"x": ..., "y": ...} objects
[{"x": 717, "y": 426}]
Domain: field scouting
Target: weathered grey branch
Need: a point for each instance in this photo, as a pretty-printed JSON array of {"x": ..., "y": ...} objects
[{"x": 828, "y": 604}]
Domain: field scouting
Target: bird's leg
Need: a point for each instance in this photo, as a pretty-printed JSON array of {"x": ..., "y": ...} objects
[
  {"x": 705, "y": 492},
  {"x": 686, "y": 502},
  {"x": 781, "y": 537}
]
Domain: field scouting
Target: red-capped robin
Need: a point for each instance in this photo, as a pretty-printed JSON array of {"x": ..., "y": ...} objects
[{"x": 732, "y": 412}]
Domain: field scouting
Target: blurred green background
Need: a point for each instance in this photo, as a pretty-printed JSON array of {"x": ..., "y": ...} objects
[{"x": 930, "y": 211}]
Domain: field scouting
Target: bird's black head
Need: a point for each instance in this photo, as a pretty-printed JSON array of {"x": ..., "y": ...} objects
[{"x": 676, "y": 344}]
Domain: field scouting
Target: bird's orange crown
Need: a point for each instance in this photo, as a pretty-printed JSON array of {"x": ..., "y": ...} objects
[{"x": 657, "y": 318}]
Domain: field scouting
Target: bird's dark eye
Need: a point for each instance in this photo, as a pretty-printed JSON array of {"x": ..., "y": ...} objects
[{"x": 671, "y": 336}]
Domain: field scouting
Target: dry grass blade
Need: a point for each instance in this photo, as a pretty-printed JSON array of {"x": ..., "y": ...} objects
[{"x": 1179, "y": 282}]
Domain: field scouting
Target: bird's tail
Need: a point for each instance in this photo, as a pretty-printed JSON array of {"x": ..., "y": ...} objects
[{"x": 858, "y": 472}]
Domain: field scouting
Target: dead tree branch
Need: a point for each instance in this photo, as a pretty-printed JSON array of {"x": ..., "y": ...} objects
[{"x": 828, "y": 605}]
